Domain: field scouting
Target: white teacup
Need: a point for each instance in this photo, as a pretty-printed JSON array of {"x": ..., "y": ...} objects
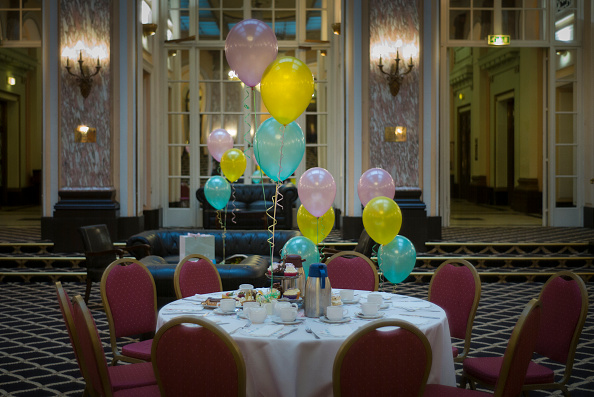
[
  {"x": 256, "y": 315},
  {"x": 335, "y": 313},
  {"x": 369, "y": 308},
  {"x": 280, "y": 305},
  {"x": 269, "y": 306},
  {"x": 347, "y": 294},
  {"x": 288, "y": 314},
  {"x": 227, "y": 305},
  {"x": 246, "y": 287},
  {"x": 374, "y": 297}
]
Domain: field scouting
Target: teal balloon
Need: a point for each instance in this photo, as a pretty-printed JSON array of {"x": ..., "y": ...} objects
[
  {"x": 217, "y": 191},
  {"x": 397, "y": 259},
  {"x": 270, "y": 139},
  {"x": 257, "y": 176},
  {"x": 303, "y": 247}
]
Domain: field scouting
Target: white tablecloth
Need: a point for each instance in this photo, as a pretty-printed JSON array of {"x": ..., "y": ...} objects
[{"x": 299, "y": 364}]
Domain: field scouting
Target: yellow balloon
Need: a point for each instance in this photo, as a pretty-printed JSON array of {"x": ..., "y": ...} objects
[
  {"x": 233, "y": 164},
  {"x": 382, "y": 219},
  {"x": 315, "y": 229},
  {"x": 287, "y": 87}
]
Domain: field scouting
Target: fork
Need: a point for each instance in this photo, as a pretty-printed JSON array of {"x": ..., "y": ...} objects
[
  {"x": 245, "y": 326},
  {"x": 310, "y": 331}
]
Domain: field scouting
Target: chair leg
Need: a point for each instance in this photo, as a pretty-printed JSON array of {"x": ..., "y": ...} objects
[
  {"x": 565, "y": 391},
  {"x": 462, "y": 382},
  {"x": 88, "y": 291}
]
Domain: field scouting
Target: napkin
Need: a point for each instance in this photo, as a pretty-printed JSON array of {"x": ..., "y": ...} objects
[
  {"x": 339, "y": 331},
  {"x": 264, "y": 330}
]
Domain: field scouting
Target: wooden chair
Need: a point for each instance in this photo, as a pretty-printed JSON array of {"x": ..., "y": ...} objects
[
  {"x": 121, "y": 381},
  {"x": 130, "y": 300},
  {"x": 456, "y": 288},
  {"x": 352, "y": 270},
  {"x": 378, "y": 362},
  {"x": 194, "y": 356},
  {"x": 193, "y": 277}
]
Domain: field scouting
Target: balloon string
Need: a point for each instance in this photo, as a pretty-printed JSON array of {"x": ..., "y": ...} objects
[
  {"x": 264, "y": 197},
  {"x": 272, "y": 227},
  {"x": 233, "y": 215},
  {"x": 246, "y": 118},
  {"x": 321, "y": 244},
  {"x": 224, "y": 230}
]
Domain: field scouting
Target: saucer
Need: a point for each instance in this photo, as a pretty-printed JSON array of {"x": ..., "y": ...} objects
[
  {"x": 224, "y": 313},
  {"x": 297, "y": 321},
  {"x": 378, "y": 315},
  {"x": 384, "y": 306},
  {"x": 210, "y": 306},
  {"x": 350, "y": 302},
  {"x": 241, "y": 314},
  {"x": 325, "y": 319}
]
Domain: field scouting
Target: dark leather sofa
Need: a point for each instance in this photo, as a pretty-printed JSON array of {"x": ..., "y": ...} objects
[
  {"x": 250, "y": 207},
  {"x": 253, "y": 244}
]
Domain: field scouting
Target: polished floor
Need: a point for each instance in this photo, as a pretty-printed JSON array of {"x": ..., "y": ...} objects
[{"x": 464, "y": 213}]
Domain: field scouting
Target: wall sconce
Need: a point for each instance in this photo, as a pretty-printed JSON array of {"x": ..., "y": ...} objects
[
  {"x": 85, "y": 80},
  {"x": 395, "y": 77},
  {"x": 11, "y": 81},
  {"x": 85, "y": 134},
  {"x": 395, "y": 134},
  {"x": 336, "y": 28},
  {"x": 149, "y": 29}
]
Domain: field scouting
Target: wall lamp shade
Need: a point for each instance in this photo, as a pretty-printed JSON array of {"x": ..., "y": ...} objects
[
  {"x": 395, "y": 134},
  {"x": 336, "y": 28},
  {"x": 83, "y": 77},
  {"x": 395, "y": 76},
  {"x": 85, "y": 134},
  {"x": 149, "y": 29},
  {"x": 11, "y": 81}
]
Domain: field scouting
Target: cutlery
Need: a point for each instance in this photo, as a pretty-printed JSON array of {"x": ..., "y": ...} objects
[
  {"x": 417, "y": 315},
  {"x": 237, "y": 329},
  {"x": 310, "y": 331},
  {"x": 286, "y": 333}
]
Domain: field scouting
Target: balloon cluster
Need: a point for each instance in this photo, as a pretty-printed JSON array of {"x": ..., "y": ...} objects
[{"x": 382, "y": 220}]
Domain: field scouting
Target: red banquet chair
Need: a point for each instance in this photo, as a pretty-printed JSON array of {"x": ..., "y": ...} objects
[
  {"x": 193, "y": 277},
  {"x": 564, "y": 310},
  {"x": 374, "y": 362},
  {"x": 456, "y": 288},
  {"x": 121, "y": 381},
  {"x": 352, "y": 270},
  {"x": 130, "y": 300},
  {"x": 514, "y": 362},
  {"x": 193, "y": 355}
]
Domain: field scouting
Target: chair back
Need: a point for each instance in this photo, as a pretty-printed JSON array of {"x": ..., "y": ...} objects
[
  {"x": 93, "y": 356},
  {"x": 365, "y": 244},
  {"x": 96, "y": 238},
  {"x": 196, "y": 274},
  {"x": 192, "y": 354},
  {"x": 352, "y": 270},
  {"x": 382, "y": 362},
  {"x": 564, "y": 309},
  {"x": 518, "y": 353},
  {"x": 129, "y": 297},
  {"x": 66, "y": 309},
  {"x": 456, "y": 288}
]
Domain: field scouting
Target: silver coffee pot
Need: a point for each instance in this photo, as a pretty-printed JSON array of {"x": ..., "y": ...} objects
[{"x": 318, "y": 293}]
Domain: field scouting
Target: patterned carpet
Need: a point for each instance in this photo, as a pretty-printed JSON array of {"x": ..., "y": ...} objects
[{"x": 37, "y": 359}]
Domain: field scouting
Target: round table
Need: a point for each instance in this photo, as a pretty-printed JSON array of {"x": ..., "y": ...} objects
[{"x": 298, "y": 364}]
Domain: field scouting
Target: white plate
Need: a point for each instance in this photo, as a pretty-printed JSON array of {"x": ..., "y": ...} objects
[
  {"x": 350, "y": 302},
  {"x": 210, "y": 307},
  {"x": 361, "y": 315},
  {"x": 297, "y": 321},
  {"x": 384, "y": 306},
  {"x": 223, "y": 313},
  {"x": 325, "y": 319}
]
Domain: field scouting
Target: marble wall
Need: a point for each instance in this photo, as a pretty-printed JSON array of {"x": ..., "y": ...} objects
[
  {"x": 390, "y": 20},
  {"x": 85, "y": 165}
]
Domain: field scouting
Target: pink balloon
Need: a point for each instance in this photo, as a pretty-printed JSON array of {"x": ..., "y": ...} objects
[
  {"x": 317, "y": 190},
  {"x": 250, "y": 47},
  {"x": 219, "y": 141},
  {"x": 373, "y": 183}
]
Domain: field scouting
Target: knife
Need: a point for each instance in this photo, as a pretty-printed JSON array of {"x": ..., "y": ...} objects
[
  {"x": 417, "y": 315},
  {"x": 287, "y": 333}
]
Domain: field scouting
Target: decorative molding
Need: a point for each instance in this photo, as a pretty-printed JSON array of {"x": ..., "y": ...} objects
[
  {"x": 461, "y": 77},
  {"x": 498, "y": 61}
]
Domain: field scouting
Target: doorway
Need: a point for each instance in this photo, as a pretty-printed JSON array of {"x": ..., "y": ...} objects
[{"x": 504, "y": 149}]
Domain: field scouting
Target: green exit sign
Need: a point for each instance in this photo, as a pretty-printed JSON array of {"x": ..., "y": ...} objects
[{"x": 498, "y": 39}]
